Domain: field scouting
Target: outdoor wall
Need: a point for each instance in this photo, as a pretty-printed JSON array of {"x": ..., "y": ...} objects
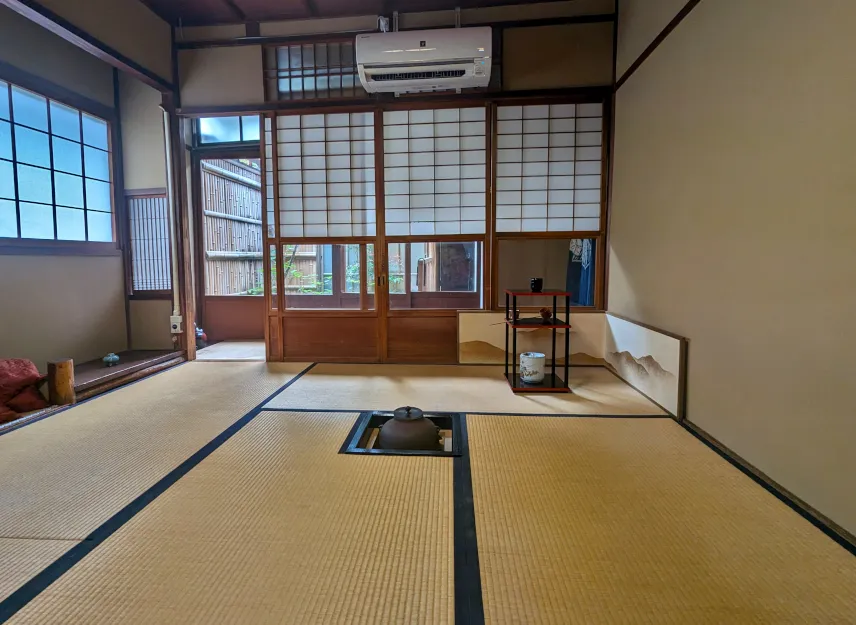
[
  {"x": 733, "y": 225},
  {"x": 57, "y": 60},
  {"x": 127, "y": 26},
  {"x": 639, "y": 23},
  {"x": 61, "y": 307}
]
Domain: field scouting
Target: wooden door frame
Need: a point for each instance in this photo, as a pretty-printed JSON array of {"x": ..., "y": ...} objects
[{"x": 197, "y": 155}]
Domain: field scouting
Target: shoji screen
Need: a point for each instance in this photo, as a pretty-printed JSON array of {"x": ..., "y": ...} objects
[
  {"x": 269, "y": 184},
  {"x": 434, "y": 171},
  {"x": 549, "y": 168},
  {"x": 326, "y": 175}
]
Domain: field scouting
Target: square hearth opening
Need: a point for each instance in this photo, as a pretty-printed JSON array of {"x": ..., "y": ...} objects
[{"x": 363, "y": 438}]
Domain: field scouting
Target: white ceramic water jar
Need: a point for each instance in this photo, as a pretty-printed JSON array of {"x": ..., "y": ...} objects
[{"x": 532, "y": 367}]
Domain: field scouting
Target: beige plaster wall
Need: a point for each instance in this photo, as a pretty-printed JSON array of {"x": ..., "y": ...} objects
[
  {"x": 639, "y": 23},
  {"x": 31, "y": 48},
  {"x": 61, "y": 307},
  {"x": 142, "y": 134},
  {"x": 733, "y": 224},
  {"x": 127, "y": 26}
]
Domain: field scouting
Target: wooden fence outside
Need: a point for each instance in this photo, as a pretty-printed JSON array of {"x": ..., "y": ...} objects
[{"x": 232, "y": 228}]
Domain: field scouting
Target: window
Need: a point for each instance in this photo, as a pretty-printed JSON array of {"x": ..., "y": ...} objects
[
  {"x": 326, "y": 175},
  {"x": 435, "y": 275},
  {"x": 328, "y": 276},
  {"x": 312, "y": 71},
  {"x": 434, "y": 171},
  {"x": 55, "y": 170},
  {"x": 549, "y": 165},
  {"x": 564, "y": 264},
  {"x": 232, "y": 226},
  {"x": 244, "y": 129},
  {"x": 149, "y": 223}
]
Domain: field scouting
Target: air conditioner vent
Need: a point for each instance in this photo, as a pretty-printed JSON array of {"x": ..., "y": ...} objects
[
  {"x": 447, "y": 73},
  {"x": 420, "y": 61}
]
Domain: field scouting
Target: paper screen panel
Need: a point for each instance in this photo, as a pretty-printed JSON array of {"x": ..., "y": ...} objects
[
  {"x": 326, "y": 175},
  {"x": 549, "y": 168},
  {"x": 434, "y": 171},
  {"x": 269, "y": 181}
]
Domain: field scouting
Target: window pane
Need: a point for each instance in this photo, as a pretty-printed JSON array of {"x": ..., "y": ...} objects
[
  {"x": 97, "y": 195},
  {"x": 29, "y": 109},
  {"x": 435, "y": 275},
  {"x": 66, "y": 155},
  {"x": 97, "y": 163},
  {"x": 69, "y": 190},
  {"x": 8, "y": 218},
  {"x": 95, "y": 132},
  {"x": 32, "y": 147},
  {"x": 65, "y": 121},
  {"x": 4, "y": 100},
  {"x": 5, "y": 139},
  {"x": 219, "y": 129},
  {"x": 323, "y": 276},
  {"x": 250, "y": 124},
  {"x": 36, "y": 221},
  {"x": 7, "y": 181},
  {"x": 273, "y": 265},
  {"x": 34, "y": 185},
  {"x": 100, "y": 226},
  {"x": 70, "y": 224},
  {"x": 564, "y": 264},
  {"x": 581, "y": 269}
]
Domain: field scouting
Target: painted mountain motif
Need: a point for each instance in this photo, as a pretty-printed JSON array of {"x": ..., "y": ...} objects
[{"x": 642, "y": 367}]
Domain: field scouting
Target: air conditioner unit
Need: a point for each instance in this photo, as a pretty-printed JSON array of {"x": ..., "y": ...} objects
[{"x": 421, "y": 61}]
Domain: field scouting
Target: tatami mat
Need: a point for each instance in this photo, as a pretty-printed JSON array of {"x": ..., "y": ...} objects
[
  {"x": 456, "y": 388},
  {"x": 21, "y": 559},
  {"x": 635, "y": 521},
  {"x": 275, "y": 527},
  {"x": 233, "y": 350},
  {"x": 65, "y": 475}
]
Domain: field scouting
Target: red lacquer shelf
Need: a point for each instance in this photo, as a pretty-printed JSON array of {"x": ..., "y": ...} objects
[
  {"x": 536, "y": 323},
  {"x": 529, "y": 293},
  {"x": 551, "y": 384}
]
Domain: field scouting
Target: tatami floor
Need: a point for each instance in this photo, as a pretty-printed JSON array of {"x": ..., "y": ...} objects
[
  {"x": 215, "y": 493},
  {"x": 226, "y": 351}
]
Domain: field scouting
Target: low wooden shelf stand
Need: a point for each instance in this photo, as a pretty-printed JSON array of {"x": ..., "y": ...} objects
[{"x": 552, "y": 383}]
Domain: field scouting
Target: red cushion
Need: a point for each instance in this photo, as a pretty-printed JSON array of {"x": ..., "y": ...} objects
[
  {"x": 27, "y": 400},
  {"x": 15, "y": 375},
  {"x": 6, "y": 414}
]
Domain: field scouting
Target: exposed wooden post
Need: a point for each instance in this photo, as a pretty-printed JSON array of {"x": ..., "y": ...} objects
[{"x": 61, "y": 382}]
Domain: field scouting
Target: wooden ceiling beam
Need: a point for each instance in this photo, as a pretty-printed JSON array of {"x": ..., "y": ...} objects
[{"x": 236, "y": 10}]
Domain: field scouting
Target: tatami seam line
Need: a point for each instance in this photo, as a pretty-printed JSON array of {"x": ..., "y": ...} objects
[
  {"x": 490, "y": 414},
  {"x": 469, "y": 601},
  {"x": 37, "y": 584}
]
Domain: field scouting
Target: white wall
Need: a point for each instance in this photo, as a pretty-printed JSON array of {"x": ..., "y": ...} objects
[{"x": 733, "y": 224}]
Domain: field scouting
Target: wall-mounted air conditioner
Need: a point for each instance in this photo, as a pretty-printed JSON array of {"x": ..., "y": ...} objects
[{"x": 421, "y": 61}]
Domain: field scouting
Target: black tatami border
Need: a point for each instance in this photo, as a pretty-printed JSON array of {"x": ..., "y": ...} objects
[
  {"x": 489, "y": 414},
  {"x": 469, "y": 603},
  {"x": 840, "y": 537},
  {"x": 32, "y": 588}
]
